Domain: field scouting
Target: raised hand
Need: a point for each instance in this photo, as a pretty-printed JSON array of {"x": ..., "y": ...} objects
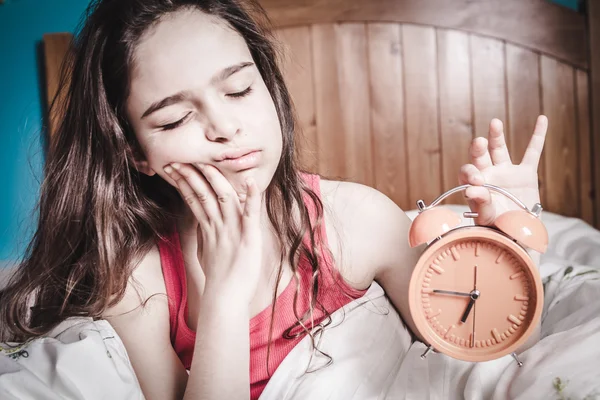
[
  {"x": 491, "y": 163},
  {"x": 229, "y": 234}
]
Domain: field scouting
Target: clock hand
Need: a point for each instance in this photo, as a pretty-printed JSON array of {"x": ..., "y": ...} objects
[
  {"x": 452, "y": 293},
  {"x": 467, "y": 311},
  {"x": 474, "y": 308},
  {"x": 474, "y": 296},
  {"x": 473, "y": 340}
]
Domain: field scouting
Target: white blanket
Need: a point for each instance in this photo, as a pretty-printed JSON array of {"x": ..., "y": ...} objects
[
  {"x": 79, "y": 359},
  {"x": 373, "y": 357}
]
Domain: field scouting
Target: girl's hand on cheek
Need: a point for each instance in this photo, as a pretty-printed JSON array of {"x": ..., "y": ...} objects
[{"x": 229, "y": 235}]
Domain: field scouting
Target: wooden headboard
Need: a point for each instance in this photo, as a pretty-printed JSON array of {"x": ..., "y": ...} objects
[{"x": 390, "y": 93}]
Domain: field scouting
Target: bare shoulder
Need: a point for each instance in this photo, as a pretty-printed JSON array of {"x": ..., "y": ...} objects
[
  {"x": 141, "y": 319},
  {"x": 370, "y": 232},
  {"x": 146, "y": 281}
]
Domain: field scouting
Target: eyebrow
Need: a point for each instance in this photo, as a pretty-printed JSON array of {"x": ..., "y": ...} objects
[{"x": 184, "y": 95}]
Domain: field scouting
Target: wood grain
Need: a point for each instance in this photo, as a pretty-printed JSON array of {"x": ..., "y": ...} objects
[
  {"x": 387, "y": 112},
  {"x": 342, "y": 99},
  {"x": 56, "y": 46},
  {"x": 489, "y": 83},
  {"x": 523, "y": 96},
  {"x": 593, "y": 10},
  {"x": 534, "y": 24},
  {"x": 455, "y": 104},
  {"x": 331, "y": 139},
  {"x": 298, "y": 74},
  {"x": 585, "y": 147},
  {"x": 561, "y": 167},
  {"x": 353, "y": 76},
  {"x": 422, "y": 117}
]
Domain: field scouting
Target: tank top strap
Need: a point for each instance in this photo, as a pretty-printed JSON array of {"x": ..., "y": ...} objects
[{"x": 173, "y": 269}]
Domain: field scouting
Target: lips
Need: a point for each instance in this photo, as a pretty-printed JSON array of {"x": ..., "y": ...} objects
[
  {"x": 233, "y": 154},
  {"x": 239, "y": 159}
]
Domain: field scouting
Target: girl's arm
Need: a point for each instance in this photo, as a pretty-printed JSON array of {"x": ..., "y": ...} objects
[
  {"x": 144, "y": 330},
  {"x": 369, "y": 238},
  {"x": 229, "y": 252},
  {"x": 220, "y": 367}
]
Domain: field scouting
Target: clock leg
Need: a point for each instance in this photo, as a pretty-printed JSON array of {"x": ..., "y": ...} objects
[
  {"x": 424, "y": 355},
  {"x": 519, "y": 363}
]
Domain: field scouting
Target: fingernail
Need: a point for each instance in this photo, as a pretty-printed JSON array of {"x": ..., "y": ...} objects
[
  {"x": 168, "y": 170},
  {"x": 176, "y": 165}
]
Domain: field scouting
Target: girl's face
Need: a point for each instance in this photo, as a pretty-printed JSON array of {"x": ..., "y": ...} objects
[{"x": 197, "y": 97}]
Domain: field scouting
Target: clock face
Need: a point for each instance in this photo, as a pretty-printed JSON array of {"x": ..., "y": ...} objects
[{"x": 474, "y": 294}]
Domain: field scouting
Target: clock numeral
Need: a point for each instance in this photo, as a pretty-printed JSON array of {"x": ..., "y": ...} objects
[
  {"x": 517, "y": 275},
  {"x": 437, "y": 268},
  {"x": 477, "y": 246},
  {"x": 426, "y": 290},
  {"x": 455, "y": 254},
  {"x": 448, "y": 331},
  {"x": 434, "y": 314},
  {"x": 496, "y": 335},
  {"x": 514, "y": 319},
  {"x": 500, "y": 257},
  {"x": 520, "y": 297}
]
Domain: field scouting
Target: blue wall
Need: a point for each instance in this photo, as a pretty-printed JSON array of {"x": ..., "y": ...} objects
[
  {"x": 22, "y": 24},
  {"x": 574, "y": 4}
]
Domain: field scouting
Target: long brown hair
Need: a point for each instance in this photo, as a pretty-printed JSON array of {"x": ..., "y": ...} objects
[{"x": 98, "y": 216}]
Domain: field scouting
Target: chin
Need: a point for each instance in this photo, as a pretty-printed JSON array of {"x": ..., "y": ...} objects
[{"x": 238, "y": 179}]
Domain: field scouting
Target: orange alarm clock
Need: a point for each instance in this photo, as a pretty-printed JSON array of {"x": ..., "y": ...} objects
[{"x": 475, "y": 293}]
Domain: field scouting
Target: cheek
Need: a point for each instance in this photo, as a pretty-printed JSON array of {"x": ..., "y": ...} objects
[
  {"x": 264, "y": 116},
  {"x": 185, "y": 146}
]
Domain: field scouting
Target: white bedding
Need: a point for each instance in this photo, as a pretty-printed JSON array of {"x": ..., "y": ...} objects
[{"x": 373, "y": 357}]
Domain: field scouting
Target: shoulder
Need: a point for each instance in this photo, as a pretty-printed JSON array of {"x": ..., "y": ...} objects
[
  {"x": 145, "y": 281},
  {"x": 371, "y": 231},
  {"x": 141, "y": 319}
]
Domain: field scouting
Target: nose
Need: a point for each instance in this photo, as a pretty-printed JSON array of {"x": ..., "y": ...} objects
[{"x": 222, "y": 125}]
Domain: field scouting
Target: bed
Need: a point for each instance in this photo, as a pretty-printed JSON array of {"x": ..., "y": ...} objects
[
  {"x": 565, "y": 364},
  {"x": 390, "y": 94}
]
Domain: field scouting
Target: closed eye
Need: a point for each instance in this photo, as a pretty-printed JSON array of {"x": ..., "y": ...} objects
[
  {"x": 173, "y": 125},
  {"x": 242, "y": 93}
]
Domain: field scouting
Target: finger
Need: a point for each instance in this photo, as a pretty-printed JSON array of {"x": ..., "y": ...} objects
[
  {"x": 480, "y": 200},
  {"x": 536, "y": 144},
  {"x": 226, "y": 196},
  {"x": 470, "y": 174},
  {"x": 480, "y": 157},
  {"x": 200, "y": 192},
  {"x": 186, "y": 192},
  {"x": 251, "y": 215},
  {"x": 497, "y": 143}
]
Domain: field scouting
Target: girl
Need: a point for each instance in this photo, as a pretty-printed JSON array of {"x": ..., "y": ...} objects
[{"x": 173, "y": 207}]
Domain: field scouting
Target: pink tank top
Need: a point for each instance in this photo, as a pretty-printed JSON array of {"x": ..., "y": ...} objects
[{"x": 334, "y": 293}]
